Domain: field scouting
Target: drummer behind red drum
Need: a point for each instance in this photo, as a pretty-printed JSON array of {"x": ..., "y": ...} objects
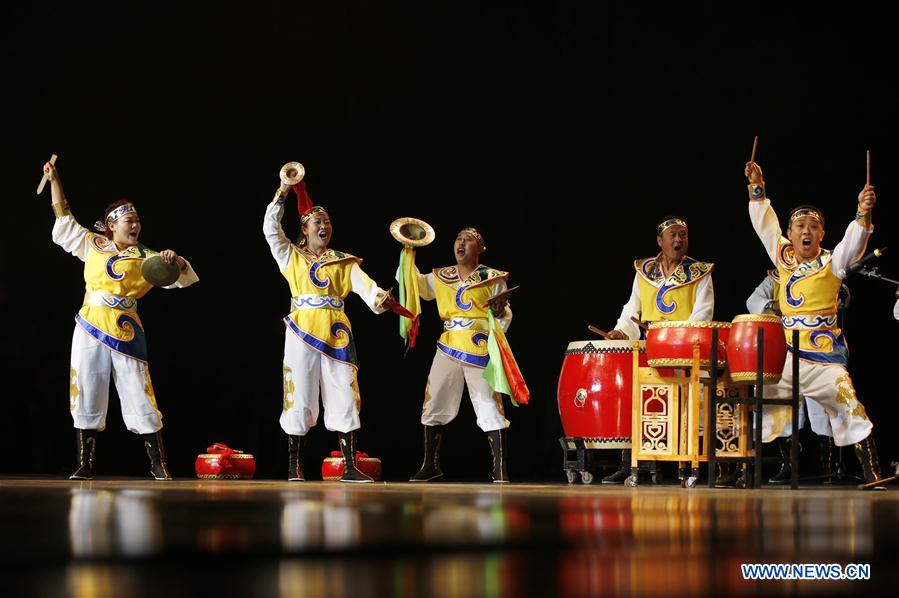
[
  {"x": 811, "y": 278},
  {"x": 669, "y": 286}
]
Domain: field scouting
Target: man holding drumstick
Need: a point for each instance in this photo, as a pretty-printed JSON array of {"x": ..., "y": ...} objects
[
  {"x": 811, "y": 279},
  {"x": 669, "y": 286}
]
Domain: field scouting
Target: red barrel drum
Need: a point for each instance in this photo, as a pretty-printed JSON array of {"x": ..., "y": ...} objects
[
  {"x": 332, "y": 467},
  {"x": 742, "y": 349},
  {"x": 595, "y": 390},
  {"x": 670, "y": 343},
  {"x": 221, "y": 462}
]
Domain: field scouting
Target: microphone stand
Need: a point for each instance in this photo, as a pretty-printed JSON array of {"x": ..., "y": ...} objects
[{"x": 876, "y": 275}]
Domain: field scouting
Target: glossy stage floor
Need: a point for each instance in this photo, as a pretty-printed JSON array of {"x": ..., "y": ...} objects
[{"x": 135, "y": 538}]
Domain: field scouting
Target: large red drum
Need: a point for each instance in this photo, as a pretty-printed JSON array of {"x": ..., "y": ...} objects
[
  {"x": 332, "y": 467},
  {"x": 669, "y": 344},
  {"x": 221, "y": 462},
  {"x": 742, "y": 349},
  {"x": 594, "y": 392}
]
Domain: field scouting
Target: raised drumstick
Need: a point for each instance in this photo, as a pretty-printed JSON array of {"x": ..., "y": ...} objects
[
  {"x": 40, "y": 186},
  {"x": 639, "y": 323},
  {"x": 605, "y": 335},
  {"x": 755, "y": 144},
  {"x": 868, "y": 169}
]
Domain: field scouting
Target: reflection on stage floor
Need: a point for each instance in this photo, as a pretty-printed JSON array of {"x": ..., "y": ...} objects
[{"x": 140, "y": 538}]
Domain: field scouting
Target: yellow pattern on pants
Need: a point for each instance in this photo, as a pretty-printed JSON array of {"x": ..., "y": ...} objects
[
  {"x": 443, "y": 395},
  {"x": 306, "y": 371},
  {"x": 827, "y": 385},
  {"x": 92, "y": 365}
]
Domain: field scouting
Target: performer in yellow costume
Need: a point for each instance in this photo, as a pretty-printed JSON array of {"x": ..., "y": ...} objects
[
  {"x": 763, "y": 300},
  {"x": 810, "y": 281},
  {"x": 319, "y": 350},
  {"x": 463, "y": 293},
  {"x": 669, "y": 286},
  {"x": 109, "y": 336}
]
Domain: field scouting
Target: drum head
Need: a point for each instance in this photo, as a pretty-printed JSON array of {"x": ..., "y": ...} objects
[{"x": 158, "y": 273}]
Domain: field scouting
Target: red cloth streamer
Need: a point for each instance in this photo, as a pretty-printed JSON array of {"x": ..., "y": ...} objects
[
  {"x": 397, "y": 308},
  {"x": 225, "y": 452},
  {"x": 359, "y": 454},
  {"x": 304, "y": 202},
  {"x": 520, "y": 391}
]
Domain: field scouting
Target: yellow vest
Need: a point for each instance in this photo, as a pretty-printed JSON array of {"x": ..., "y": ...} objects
[
  {"x": 108, "y": 270},
  {"x": 672, "y": 298},
  {"x": 462, "y": 306},
  {"x": 322, "y": 323},
  {"x": 808, "y": 301}
]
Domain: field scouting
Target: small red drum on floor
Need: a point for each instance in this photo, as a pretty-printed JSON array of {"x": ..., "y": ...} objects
[
  {"x": 669, "y": 344},
  {"x": 221, "y": 462},
  {"x": 332, "y": 467},
  {"x": 742, "y": 348},
  {"x": 594, "y": 392}
]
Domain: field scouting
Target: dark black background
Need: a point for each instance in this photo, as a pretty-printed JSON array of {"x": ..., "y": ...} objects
[{"x": 563, "y": 130}]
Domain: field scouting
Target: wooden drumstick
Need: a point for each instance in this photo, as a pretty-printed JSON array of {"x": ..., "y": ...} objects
[
  {"x": 605, "y": 335},
  {"x": 868, "y": 169},
  {"x": 40, "y": 186},
  {"x": 639, "y": 323},
  {"x": 755, "y": 144}
]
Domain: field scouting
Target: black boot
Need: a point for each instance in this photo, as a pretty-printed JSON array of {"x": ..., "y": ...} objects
[
  {"x": 728, "y": 474},
  {"x": 497, "y": 440},
  {"x": 867, "y": 457},
  {"x": 824, "y": 456},
  {"x": 156, "y": 452},
  {"x": 295, "y": 446},
  {"x": 348, "y": 448},
  {"x": 623, "y": 471},
  {"x": 430, "y": 466},
  {"x": 85, "y": 443},
  {"x": 783, "y": 476}
]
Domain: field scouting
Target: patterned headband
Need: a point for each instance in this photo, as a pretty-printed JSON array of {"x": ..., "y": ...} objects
[
  {"x": 114, "y": 215},
  {"x": 315, "y": 210},
  {"x": 806, "y": 212},
  {"x": 473, "y": 231},
  {"x": 665, "y": 225}
]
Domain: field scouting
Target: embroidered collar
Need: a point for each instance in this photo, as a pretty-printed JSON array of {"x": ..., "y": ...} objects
[
  {"x": 328, "y": 256},
  {"x": 689, "y": 270},
  {"x": 480, "y": 275}
]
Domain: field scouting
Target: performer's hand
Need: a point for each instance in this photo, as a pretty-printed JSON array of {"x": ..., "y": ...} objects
[
  {"x": 867, "y": 198},
  {"x": 283, "y": 189},
  {"x": 753, "y": 172},
  {"x": 617, "y": 335},
  {"x": 50, "y": 171},
  {"x": 498, "y": 305},
  {"x": 169, "y": 256}
]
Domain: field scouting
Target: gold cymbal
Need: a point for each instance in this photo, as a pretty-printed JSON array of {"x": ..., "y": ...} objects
[
  {"x": 412, "y": 232},
  {"x": 292, "y": 173}
]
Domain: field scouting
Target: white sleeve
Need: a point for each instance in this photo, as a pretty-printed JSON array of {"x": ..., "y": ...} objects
[
  {"x": 704, "y": 306},
  {"x": 187, "y": 278},
  {"x": 425, "y": 285},
  {"x": 850, "y": 249},
  {"x": 632, "y": 308},
  {"x": 761, "y": 296},
  {"x": 896, "y": 310},
  {"x": 274, "y": 235},
  {"x": 506, "y": 319},
  {"x": 767, "y": 227},
  {"x": 71, "y": 236},
  {"x": 365, "y": 287}
]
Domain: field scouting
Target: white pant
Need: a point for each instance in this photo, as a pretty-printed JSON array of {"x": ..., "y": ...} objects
[
  {"x": 443, "y": 395},
  {"x": 305, "y": 372},
  {"x": 831, "y": 388},
  {"x": 92, "y": 364}
]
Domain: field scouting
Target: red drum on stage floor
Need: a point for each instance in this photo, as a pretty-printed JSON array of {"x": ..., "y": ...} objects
[
  {"x": 221, "y": 462},
  {"x": 594, "y": 392},
  {"x": 670, "y": 343},
  {"x": 332, "y": 467},
  {"x": 742, "y": 348}
]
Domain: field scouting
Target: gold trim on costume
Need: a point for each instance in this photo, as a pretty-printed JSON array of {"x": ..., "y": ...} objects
[
  {"x": 236, "y": 455},
  {"x": 61, "y": 209}
]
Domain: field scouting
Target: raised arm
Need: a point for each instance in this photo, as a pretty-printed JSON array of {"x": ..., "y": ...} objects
[
  {"x": 271, "y": 228},
  {"x": 67, "y": 233},
  {"x": 851, "y": 248},
  {"x": 764, "y": 219},
  {"x": 425, "y": 285}
]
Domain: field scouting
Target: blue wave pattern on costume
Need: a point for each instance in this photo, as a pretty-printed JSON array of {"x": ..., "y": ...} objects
[
  {"x": 809, "y": 322},
  {"x": 839, "y": 355},
  {"x": 682, "y": 275},
  {"x": 128, "y": 254},
  {"x": 475, "y": 360},
  {"x": 102, "y": 243},
  {"x": 318, "y": 301},
  {"x": 136, "y": 348},
  {"x": 459, "y": 303},
  {"x": 345, "y": 354},
  {"x": 313, "y": 276},
  {"x": 126, "y": 303},
  {"x": 479, "y": 339},
  {"x": 803, "y": 271},
  {"x": 458, "y": 323}
]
